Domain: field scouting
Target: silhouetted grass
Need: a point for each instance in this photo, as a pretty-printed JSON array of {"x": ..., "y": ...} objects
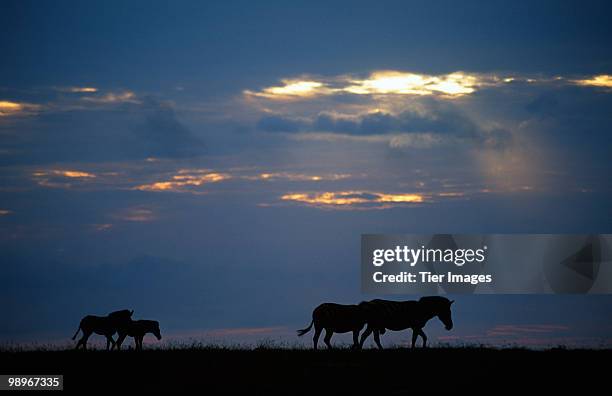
[{"x": 276, "y": 368}]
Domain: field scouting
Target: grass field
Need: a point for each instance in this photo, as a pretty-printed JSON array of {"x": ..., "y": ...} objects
[{"x": 297, "y": 371}]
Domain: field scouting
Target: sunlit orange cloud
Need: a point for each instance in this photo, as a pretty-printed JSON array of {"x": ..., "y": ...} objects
[
  {"x": 64, "y": 173},
  {"x": 8, "y": 108},
  {"x": 298, "y": 176},
  {"x": 184, "y": 178},
  {"x": 353, "y": 199},
  {"x": 602, "y": 80},
  {"x": 76, "y": 174},
  {"x": 58, "y": 178}
]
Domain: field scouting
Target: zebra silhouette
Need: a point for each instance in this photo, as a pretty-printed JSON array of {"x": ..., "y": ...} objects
[
  {"x": 335, "y": 318},
  {"x": 400, "y": 315},
  {"x": 137, "y": 329},
  {"x": 103, "y": 325}
]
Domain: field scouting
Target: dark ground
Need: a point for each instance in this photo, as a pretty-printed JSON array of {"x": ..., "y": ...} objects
[{"x": 288, "y": 372}]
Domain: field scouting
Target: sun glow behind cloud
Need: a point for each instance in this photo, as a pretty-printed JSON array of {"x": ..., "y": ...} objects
[
  {"x": 293, "y": 89},
  {"x": 383, "y": 82},
  {"x": 395, "y": 82}
]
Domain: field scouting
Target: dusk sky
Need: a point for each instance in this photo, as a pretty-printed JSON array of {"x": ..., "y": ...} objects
[{"x": 213, "y": 165}]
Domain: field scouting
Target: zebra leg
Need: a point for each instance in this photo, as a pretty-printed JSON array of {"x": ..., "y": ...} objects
[
  {"x": 83, "y": 341},
  {"x": 355, "y": 339},
  {"x": 110, "y": 342},
  {"x": 415, "y": 334},
  {"x": 119, "y": 341},
  {"x": 377, "y": 339},
  {"x": 328, "y": 335},
  {"x": 315, "y": 339},
  {"x": 424, "y": 337},
  {"x": 365, "y": 335}
]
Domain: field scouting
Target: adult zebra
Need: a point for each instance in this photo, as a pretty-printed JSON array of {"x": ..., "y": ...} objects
[
  {"x": 336, "y": 318},
  {"x": 400, "y": 315},
  {"x": 103, "y": 325}
]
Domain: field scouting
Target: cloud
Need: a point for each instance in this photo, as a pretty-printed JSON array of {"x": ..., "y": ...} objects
[
  {"x": 5, "y": 212},
  {"x": 431, "y": 123},
  {"x": 58, "y": 178},
  {"x": 407, "y": 83},
  {"x": 290, "y": 176},
  {"x": 354, "y": 199},
  {"x": 65, "y": 173},
  {"x": 438, "y": 119},
  {"x": 102, "y": 227},
  {"x": 109, "y": 128},
  {"x": 398, "y": 141},
  {"x": 9, "y": 108},
  {"x": 112, "y": 97},
  {"x": 136, "y": 214},
  {"x": 280, "y": 124},
  {"x": 163, "y": 134},
  {"x": 402, "y": 83},
  {"x": 170, "y": 175},
  {"x": 380, "y": 82},
  {"x": 77, "y": 89},
  {"x": 602, "y": 80},
  {"x": 292, "y": 89},
  {"x": 185, "y": 181}
]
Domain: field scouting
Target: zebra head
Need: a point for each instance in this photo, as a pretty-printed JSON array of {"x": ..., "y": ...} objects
[
  {"x": 155, "y": 330},
  {"x": 440, "y": 307},
  {"x": 445, "y": 314}
]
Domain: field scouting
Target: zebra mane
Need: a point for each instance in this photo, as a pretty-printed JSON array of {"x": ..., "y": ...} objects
[{"x": 434, "y": 299}]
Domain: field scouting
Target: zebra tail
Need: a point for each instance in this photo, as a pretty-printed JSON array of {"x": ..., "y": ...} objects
[
  {"x": 306, "y": 330},
  {"x": 77, "y": 332}
]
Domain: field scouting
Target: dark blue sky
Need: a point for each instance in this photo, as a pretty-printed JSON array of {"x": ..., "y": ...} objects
[{"x": 213, "y": 165}]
